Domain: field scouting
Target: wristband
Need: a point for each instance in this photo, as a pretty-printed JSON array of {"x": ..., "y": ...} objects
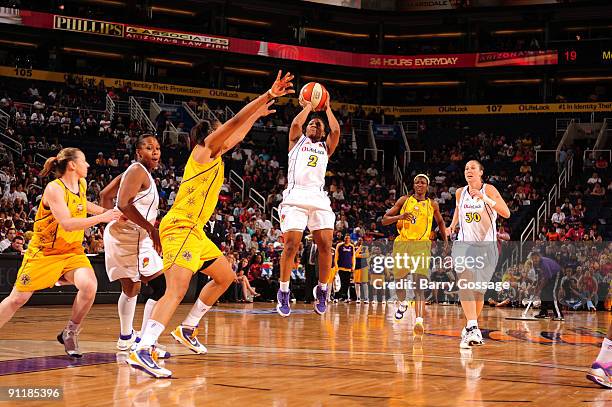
[
  {"x": 271, "y": 94},
  {"x": 488, "y": 200}
]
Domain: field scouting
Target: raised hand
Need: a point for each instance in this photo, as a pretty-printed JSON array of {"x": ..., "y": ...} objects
[
  {"x": 265, "y": 109},
  {"x": 282, "y": 85}
]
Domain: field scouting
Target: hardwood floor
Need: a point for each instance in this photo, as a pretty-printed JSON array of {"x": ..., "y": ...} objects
[{"x": 354, "y": 355}]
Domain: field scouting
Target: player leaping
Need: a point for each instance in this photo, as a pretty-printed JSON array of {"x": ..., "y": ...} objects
[{"x": 305, "y": 202}]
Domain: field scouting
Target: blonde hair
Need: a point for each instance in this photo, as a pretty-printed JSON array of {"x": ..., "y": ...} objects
[{"x": 59, "y": 163}]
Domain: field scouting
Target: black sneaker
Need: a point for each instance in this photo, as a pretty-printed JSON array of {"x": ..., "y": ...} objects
[
  {"x": 558, "y": 319},
  {"x": 541, "y": 316}
]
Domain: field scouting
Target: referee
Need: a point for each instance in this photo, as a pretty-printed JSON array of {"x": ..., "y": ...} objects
[{"x": 549, "y": 275}]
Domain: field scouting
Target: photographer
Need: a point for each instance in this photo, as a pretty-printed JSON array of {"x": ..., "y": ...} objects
[{"x": 549, "y": 274}]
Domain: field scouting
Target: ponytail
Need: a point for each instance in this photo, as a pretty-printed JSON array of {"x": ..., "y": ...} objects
[
  {"x": 50, "y": 166},
  {"x": 59, "y": 163}
]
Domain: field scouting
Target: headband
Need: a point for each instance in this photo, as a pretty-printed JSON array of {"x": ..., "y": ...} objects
[{"x": 422, "y": 175}]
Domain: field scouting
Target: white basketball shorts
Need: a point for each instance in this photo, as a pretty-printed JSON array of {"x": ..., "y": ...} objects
[
  {"x": 129, "y": 253},
  {"x": 303, "y": 208}
]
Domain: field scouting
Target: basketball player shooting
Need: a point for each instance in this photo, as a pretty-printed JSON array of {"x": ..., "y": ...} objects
[{"x": 305, "y": 203}]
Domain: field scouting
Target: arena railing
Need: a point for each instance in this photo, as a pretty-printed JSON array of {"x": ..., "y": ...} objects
[
  {"x": 190, "y": 112},
  {"x": 16, "y": 146},
  {"x": 597, "y": 151},
  {"x": 258, "y": 199},
  {"x": 238, "y": 181},
  {"x": 602, "y": 137},
  {"x": 533, "y": 227},
  {"x": 275, "y": 215},
  {"x": 110, "y": 107},
  {"x": 374, "y": 155},
  {"x": 4, "y": 120},
  {"x": 138, "y": 114},
  {"x": 416, "y": 152}
]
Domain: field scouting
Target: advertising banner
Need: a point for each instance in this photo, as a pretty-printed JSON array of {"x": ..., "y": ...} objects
[{"x": 274, "y": 50}]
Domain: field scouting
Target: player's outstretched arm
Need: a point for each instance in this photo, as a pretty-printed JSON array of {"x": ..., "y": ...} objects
[
  {"x": 244, "y": 129},
  {"x": 295, "y": 131},
  {"x": 216, "y": 140},
  {"x": 54, "y": 195},
  {"x": 334, "y": 135},
  {"x": 392, "y": 214},
  {"x": 110, "y": 192}
]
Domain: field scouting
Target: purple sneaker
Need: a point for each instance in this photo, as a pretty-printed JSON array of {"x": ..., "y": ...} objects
[
  {"x": 320, "y": 304},
  {"x": 283, "y": 307},
  {"x": 601, "y": 374}
]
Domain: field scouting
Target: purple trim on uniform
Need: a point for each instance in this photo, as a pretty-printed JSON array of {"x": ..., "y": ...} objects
[
  {"x": 40, "y": 364},
  {"x": 126, "y": 337}
]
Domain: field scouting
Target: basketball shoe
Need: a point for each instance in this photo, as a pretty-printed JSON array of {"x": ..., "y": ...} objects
[
  {"x": 601, "y": 373},
  {"x": 320, "y": 303},
  {"x": 472, "y": 337},
  {"x": 125, "y": 341},
  {"x": 144, "y": 359},
  {"x": 188, "y": 336},
  {"x": 400, "y": 310},
  {"x": 70, "y": 340},
  {"x": 283, "y": 308},
  {"x": 159, "y": 351}
]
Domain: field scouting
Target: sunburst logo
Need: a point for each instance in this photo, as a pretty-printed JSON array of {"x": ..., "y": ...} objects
[
  {"x": 187, "y": 255},
  {"x": 145, "y": 262},
  {"x": 25, "y": 279}
]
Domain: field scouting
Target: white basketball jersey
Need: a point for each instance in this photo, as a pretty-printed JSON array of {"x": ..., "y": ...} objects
[
  {"x": 307, "y": 165},
  {"x": 147, "y": 201},
  {"x": 477, "y": 220}
]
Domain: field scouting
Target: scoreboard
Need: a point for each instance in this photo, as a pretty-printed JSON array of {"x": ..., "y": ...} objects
[{"x": 585, "y": 54}]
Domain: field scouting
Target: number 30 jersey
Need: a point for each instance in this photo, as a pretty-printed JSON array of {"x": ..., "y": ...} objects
[
  {"x": 307, "y": 165},
  {"x": 477, "y": 220}
]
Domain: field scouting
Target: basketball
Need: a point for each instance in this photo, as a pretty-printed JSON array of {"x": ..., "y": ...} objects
[{"x": 315, "y": 94}]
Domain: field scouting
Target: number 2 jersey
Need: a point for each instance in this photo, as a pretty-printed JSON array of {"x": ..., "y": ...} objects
[
  {"x": 307, "y": 165},
  {"x": 477, "y": 220}
]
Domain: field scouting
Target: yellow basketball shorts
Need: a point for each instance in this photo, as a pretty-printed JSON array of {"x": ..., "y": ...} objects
[
  {"x": 188, "y": 248},
  {"x": 39, "y": 271},
  {"x": 361, "y": 275},
  {"x": 411, "y": 257}
]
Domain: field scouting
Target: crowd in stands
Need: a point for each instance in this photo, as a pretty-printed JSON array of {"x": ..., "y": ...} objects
[{"x": 43, "y": 120}]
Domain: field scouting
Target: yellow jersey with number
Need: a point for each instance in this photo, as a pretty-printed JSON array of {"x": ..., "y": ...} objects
[
  {"x": 49, "y": 237},
  {"x": 197, "y": 196},
  {"x": 420, "y": 227}
]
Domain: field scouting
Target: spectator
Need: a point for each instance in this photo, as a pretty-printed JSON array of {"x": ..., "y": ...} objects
[
  {"x": 558, "y": 216},
  {"x": 16, "y": 246}
]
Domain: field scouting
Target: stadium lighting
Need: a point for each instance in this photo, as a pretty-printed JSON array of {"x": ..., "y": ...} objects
[
  {"x": 101, "y": 54},
  {"x": 248, "y": 22},
  {"x": 430, "y": 35},
  {"x": 336, "y": 33},
  {"x": 170, "y": 62}
]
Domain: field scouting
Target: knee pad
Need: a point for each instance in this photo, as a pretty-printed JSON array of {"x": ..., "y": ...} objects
[{"x": 158, "y": 285}]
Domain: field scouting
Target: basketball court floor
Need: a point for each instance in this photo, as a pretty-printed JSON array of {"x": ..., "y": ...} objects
[{"x": 354, "y": 355}]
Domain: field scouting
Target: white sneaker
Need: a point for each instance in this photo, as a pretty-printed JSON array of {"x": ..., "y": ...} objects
[
  {"x": 472, "y": 337},
  {"x": 125, "y": 342}
]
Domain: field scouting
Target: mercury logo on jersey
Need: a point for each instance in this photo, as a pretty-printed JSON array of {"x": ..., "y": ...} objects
[{"x": 312, "y": 150}]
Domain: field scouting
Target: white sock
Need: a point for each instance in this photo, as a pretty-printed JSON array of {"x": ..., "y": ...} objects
[
  {"x": 148, "y": 309},
  {"x": 419, "y": 320},
  {"x": 284, "y": 286},
  {"x": 153, "y": 330},
  {"x": 197, "y": 312},
  {"x": 605, "y": 353},
  {"x": 127, "y": 308},
  {"x": 72, "y": 326},
  {"x": 323, "y": 286},
  {"x": 472, "y": 323}
]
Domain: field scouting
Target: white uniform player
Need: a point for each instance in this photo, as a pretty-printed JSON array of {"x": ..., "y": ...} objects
[
  {"x": 475, "y": 251},
  {"x": 128, "y": 250},
  {"x": 305, "y": 202}
]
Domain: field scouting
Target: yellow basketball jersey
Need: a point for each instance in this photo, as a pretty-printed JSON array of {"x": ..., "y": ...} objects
[
  {"x": 49, "y": 236},
  {"x": 420, "y": 228},
  {"x": 197, "y": 196}
]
